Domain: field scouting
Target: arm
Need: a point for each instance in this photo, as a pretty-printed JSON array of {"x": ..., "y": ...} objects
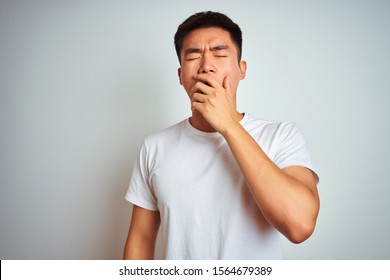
[
  {"x": 288, "y": 198},
  {"x": 141, "y": 240}
]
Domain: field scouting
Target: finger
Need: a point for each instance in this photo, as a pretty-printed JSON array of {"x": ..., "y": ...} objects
[
  {"x": 197, "y": 105},
  {"x": 199, "y": 97},
  {"x": 200, "y": 87},
  {"x": 208, "y": 80}
]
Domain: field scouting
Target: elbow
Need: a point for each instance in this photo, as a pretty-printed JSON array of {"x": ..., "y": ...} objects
[
  {"x": 302, "y": 227},
  {"x": 301, "y": 233}
]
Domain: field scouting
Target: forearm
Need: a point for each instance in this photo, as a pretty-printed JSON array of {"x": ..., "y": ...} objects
[{"x": 286, "y": 202}]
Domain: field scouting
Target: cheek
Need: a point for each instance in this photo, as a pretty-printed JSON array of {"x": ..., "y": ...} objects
[
  {"x": 187, "y": 82},
  {"x": 236, "y": 73},
  {"x": 231, "y": 69}
]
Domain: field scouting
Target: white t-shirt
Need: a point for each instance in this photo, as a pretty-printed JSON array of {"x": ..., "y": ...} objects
[{"x": 206, "y": 208}]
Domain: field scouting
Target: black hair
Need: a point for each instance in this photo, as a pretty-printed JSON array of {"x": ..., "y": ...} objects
[{"x": 208, "y": 19}]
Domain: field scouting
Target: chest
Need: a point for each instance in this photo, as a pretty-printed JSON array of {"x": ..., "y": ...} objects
[{"x": 203, "y": 175}]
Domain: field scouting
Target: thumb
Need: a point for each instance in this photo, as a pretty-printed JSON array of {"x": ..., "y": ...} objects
[{"x": 226, "y": 85}]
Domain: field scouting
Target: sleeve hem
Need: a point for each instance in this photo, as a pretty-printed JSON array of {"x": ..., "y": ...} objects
[
  {"x": 141, "y": 203},
  {"x": 308, "y": 166}
]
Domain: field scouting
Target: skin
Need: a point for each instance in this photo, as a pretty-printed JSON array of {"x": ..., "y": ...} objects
[
  {"x": 210, "y": 73},
  {"x": 210, "y": 57}
]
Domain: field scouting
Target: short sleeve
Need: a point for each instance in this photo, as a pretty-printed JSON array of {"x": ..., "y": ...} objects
[
  {"x": 292, "y": 148},
  {"x": 140, "y": 191}
]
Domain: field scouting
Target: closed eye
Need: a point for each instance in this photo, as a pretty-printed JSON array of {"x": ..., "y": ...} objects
[{"x": 192, "y": 58}]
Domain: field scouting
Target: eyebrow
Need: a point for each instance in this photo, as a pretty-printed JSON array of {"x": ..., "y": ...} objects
[
  {"x": 192, "y": 50},
  {"x": 220, "y": 48},
  {"x": 197, "y": 50}
]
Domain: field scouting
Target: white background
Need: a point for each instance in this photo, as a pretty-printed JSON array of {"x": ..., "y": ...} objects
[{"x": 83, "y": 82}]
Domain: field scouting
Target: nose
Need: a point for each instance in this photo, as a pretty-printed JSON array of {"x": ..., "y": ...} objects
[{"x": 206, "y": 65}]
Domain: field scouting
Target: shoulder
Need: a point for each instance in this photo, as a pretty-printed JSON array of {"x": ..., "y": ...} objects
[
  {"x": 270, "y": 128},
  {"x": 164, "y": 136},
  {"x": 275, "y": 136},
  {"x": 159, "y": 143}
]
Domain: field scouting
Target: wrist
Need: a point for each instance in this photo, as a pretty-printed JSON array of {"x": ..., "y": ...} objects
[{"x": 234, "y": 128}]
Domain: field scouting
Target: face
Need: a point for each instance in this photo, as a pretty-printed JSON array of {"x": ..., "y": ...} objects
[{"x": 210, "y": 51}]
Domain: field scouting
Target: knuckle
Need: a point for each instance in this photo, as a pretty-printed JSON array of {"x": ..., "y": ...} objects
[{"x": 214, "y": 94}]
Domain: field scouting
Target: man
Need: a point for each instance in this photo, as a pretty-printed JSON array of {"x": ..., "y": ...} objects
[{"x": 221, "y": 184}]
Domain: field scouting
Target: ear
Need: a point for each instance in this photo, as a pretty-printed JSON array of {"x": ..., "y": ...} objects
[
  {"x": 179, "y": 74},
  {"x": 243, "y": 69}
]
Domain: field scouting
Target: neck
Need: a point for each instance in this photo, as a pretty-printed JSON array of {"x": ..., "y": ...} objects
[{"x": 199, "y": 122}]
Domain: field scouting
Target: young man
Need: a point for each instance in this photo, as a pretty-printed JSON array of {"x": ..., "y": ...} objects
[{"x": 221, "y": 184}]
